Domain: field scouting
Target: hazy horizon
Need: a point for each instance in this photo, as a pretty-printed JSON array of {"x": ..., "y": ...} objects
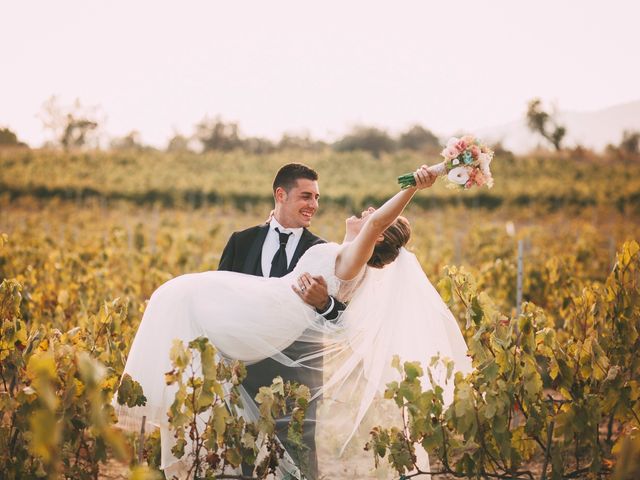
[{"x": 295, "y": 67}]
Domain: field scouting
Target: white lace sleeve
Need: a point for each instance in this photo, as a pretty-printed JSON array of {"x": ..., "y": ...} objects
[
  {"x": 347, "y": 288},
  {"x": 321, "y": 260}
]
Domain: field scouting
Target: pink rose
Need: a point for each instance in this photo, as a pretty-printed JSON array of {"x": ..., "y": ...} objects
[
  {"x": 452, "y": 142},
  {"x": 461, "y": 146},
  {"x": 450, "y": 153},
  {"x": 475, "y": 151}
]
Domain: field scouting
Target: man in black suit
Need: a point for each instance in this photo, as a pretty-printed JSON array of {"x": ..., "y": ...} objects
[{"x": 273, "y": 250}]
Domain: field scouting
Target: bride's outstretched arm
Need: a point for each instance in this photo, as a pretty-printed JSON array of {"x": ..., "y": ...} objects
[{"x": 356, "y": 253}]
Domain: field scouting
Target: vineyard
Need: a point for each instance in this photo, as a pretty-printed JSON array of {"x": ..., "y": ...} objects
[
  {"x": 86, "y": 238},
  {"x": 552, "y": 181}
]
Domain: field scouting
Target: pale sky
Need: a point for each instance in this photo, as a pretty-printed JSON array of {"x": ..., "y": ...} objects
[{"x": 325, "y": 66}]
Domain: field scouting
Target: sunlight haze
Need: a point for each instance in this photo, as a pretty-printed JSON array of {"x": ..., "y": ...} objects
[{"x": 319, "y": 67}]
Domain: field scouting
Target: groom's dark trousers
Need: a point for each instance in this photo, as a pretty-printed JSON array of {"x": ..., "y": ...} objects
[{"x": 243, "y": 254}]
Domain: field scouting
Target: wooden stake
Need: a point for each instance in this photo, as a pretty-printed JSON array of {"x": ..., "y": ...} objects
[
  {"x": 519, "y": 285},
  {"x": 141, "y": 446}
]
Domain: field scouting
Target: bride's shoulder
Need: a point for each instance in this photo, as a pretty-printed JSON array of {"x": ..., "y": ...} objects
[
  {"x": 322, "y": 252},
  {"x": 325, "y": 248}
]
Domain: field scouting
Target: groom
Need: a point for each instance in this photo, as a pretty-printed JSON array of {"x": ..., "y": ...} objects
[{"x": 273, "y": 250}]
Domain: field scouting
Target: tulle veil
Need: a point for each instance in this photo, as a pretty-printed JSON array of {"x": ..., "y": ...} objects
[{"x": 395, "y": 311}]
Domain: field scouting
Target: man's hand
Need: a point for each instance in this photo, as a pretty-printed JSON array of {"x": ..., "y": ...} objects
[{"x": 313, "y": 291}]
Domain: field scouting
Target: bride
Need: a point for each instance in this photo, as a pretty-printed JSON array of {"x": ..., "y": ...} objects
[{"x": 393, "y": 309}]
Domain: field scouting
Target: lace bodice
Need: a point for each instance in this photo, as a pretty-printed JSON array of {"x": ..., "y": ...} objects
[{"x": 321, "y": 260}]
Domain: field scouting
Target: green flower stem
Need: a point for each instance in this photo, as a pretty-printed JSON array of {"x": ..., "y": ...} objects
[{"x": 407, "y": 180}]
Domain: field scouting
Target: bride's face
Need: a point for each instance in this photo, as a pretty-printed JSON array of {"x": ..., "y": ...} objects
[{"x": 354, "y": 224}]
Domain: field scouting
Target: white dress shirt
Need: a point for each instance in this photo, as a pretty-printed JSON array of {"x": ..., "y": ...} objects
[{"x": 272, "y": 244}]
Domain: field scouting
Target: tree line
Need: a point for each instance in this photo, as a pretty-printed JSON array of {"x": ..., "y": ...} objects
[{"x": 78, "y": 127}]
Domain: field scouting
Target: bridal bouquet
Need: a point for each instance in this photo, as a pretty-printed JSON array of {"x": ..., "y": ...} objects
[{"x": 466, "y": 163}]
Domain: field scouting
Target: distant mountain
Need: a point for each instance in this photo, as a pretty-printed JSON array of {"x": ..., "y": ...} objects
[{"x": 590, "y": 129}]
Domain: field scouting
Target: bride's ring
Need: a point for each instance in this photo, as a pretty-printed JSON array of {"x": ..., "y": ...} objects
[{"x": 303, "y": 288}]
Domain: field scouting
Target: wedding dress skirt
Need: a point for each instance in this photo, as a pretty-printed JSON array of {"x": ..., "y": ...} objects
[
  {"x": 245, "y": 317},
  {"x": 394, "y": 310}
]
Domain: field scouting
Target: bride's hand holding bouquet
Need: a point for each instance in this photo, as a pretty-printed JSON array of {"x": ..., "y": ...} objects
[
  {"x": 423, "y": 177},
  {"x": 466, "y": 163}
]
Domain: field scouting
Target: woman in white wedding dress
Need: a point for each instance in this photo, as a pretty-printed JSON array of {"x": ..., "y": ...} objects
[{"x": 393, "y": 309}]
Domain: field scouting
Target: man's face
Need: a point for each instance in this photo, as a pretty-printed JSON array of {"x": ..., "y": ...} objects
[{"x": 294, "y": 209}]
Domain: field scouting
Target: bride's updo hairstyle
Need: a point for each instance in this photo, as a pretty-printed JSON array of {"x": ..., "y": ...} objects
[{"x": 395, "y": 236}]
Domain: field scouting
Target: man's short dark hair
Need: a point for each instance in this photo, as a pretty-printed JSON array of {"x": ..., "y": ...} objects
[{"x": 289, "y": 174}]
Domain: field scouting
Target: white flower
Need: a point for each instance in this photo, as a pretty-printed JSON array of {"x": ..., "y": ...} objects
[
  {"x": 485, "y": 160},
  {"x": 456, "y": 161},
  {"x": 458, "y": 175}
]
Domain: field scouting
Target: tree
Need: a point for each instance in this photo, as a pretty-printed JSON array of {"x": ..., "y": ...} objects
[
  {"x": 9, "y": 139},
  {"x": 418, "y": 138},
  {"x": 630, "y": 142},
  {"x": 72, "y": 126},
  {"x": 178, "y": 144},
  {"x": 369, "y": 139},
  {"x": 257, "y": 145},
  {"x": 539, "y": 121},
  {"x": 131, "y": 141},
  {"x": 290, "y": 141},
  {"x": 294, "y": 142},
  {"x": 76, "y": 132},
  {"x": 218, "y": 135}
]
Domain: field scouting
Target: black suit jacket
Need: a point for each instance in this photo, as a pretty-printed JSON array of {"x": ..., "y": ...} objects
[{"x": 243, "y": 253}]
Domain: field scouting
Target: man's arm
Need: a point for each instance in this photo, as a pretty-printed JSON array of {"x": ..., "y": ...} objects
[
  {"x": 228, "y": 254},
  {"x": 334, "y": 310}
]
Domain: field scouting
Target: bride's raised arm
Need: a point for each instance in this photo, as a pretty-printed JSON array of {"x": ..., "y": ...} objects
[{"x": 358, "y": 250}]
